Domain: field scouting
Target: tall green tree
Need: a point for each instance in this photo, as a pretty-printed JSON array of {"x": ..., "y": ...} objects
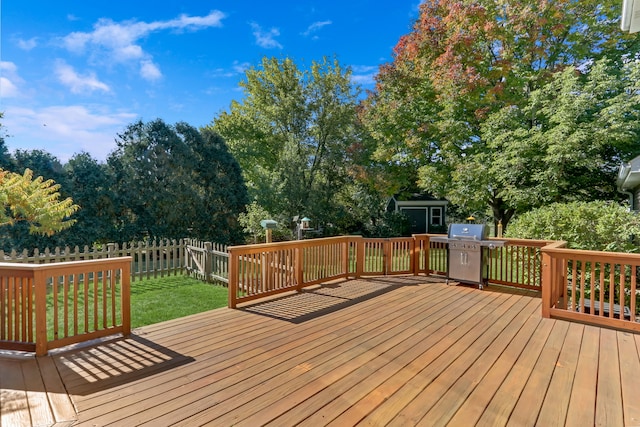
[
  {"x": 220, "y": 187},
  {"x": 467, "y": 60},
  {"x": 152, "y": 170},
  {"x": 89, "y": 183},
  {"x": 291, "y": 133},
  {"x": 41, "y": 163},
  {"x": 566, "y": 142},
  {"x": 173, "y": 182}
]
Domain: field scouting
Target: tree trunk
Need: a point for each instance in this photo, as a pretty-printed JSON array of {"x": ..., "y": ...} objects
[{"x": 501, "y": 213}]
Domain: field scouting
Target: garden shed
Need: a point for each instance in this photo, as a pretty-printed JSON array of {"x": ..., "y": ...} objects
[
  {"x": 628, "y": 182},
  {"x": 426, "y": 213}
]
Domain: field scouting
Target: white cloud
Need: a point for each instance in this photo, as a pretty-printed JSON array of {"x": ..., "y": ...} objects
[
  {"x": 241, "y": 67},
  {"x": 8, "y": 67},
  {"x": 27, "y": 44},
  {"x": 119, "y": 41},
  {"x": 364, "y": 74},
  {"x": 236, "y": 68},
  {"x": 9, "y": 80},
  {"x": 8, "y": 89},
  {"x": 364, "y": 68},
  {"x": 364, "y": 79},
  {"x": 76, "y": 82},
  {"x": 220, "y": 72},
  {"x": 149, "y": 70},
  {"x": 266, "y": 39},
  {"x": 315, "y": 27},
  {"x": 65, "y": 130}
]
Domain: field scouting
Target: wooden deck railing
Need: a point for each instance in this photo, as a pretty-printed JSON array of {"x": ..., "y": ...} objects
[
  {"x": 46, "y": 306},
  {"x": 257, "y": 271},
  {"x": 384, "y": 256},
  {"x": 593, "y": 287},
  {"x": 152, "y": 258},
  {"x": 518, "y": 264}
]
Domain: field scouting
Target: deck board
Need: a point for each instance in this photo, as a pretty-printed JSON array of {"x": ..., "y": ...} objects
[
  {"x": 436, "y": 384},
  {"x": 500, "y": 407},
  {"x": 357, "y": 411},
  {"x": 324, "y": 405},
  {"x": 582, "y": 406},
  {"x": 629, "y": 374},
  {"x": 503, "y": 352},
  {"x": 326, "y": 388},
  {"x": 14, "y": 405},
  {"x": 556, "y": 401},
  {"x": 529, "y": 403},
  {"x": 609, "y": 411},
  {"x": 39, "y": 410},
  {"x": 386, "y": 351},
  {"x": 481, "y": 331}
]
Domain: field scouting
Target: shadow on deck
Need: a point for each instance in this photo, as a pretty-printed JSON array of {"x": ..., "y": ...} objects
[{"x": 321, "y": 300}]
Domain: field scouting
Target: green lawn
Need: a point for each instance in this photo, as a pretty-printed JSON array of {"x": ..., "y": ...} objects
[
  {"x": 160, "y": 299},
  {"x": 152, "y": 301}
]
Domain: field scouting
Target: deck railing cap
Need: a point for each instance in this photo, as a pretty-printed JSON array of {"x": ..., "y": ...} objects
[{"x": 58, "y": 265}]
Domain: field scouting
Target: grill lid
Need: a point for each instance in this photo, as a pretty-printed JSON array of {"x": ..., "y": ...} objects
[{"x": 467, "y": 231}]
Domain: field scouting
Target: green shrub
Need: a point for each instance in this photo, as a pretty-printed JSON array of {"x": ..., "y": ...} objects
[
  {"x": 601, "y": 226},
  {"x": 390, "y": 224}
]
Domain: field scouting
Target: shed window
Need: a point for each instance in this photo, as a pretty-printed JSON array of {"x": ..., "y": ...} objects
[{"x": 436, "y": 216}]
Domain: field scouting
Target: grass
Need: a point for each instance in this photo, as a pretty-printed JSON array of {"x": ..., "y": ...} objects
[
  {"x": 160, "y": 299},
  {"x": 152, "y": 301}
]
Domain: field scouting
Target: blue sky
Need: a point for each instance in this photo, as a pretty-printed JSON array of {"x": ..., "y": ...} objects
[{"x": 75, "y": 73}]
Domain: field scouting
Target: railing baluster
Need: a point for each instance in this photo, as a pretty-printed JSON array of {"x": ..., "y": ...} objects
[
  {"x": 104, "y": 299},
  {"x": 633, "y": 297},
  {"x": 622, "y": 298},
  {"x": 56, "y": 326},
  {"x": 583, "y": 268},
  {"x": 612, "y": 288},
  {"x": 592, "y": 285}
]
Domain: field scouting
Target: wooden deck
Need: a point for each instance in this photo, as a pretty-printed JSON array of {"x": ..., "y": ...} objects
[{"x": 387, "y": 351}]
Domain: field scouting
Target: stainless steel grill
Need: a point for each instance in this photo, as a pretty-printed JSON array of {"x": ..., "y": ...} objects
[{"x": 467, "y": 252}]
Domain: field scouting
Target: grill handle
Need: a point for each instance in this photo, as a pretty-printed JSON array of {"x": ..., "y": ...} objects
[{"x": 464, "y": 237}]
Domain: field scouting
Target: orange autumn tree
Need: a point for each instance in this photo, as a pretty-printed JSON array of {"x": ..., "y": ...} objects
[
  {"x": 36, "y": 201},
  {"x": 468, "y": 66}
]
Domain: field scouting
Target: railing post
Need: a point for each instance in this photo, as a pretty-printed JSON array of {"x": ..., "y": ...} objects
[
  {"x": 126, "y": 298},
  {"x": 414, "y": 259},
  {"x": 387, "y": 256},
  {"x": 360, "y": 258},
  {"x": 299, "y": 263},
  {"x": 427, "y": 255},
  {"x": 264, "y": 271},
  {"x": 546, "y": 284},
  {"x": 40, "y": 285},
  {"x": 345, "y": 257},
  {"x": 233, "y": 278}
]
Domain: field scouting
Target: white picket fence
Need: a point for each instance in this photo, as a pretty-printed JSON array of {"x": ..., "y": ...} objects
[{"x": 204, "y": 260}]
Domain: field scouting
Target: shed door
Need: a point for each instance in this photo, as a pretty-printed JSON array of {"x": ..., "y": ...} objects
[{"x": 417, "y": 219}]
